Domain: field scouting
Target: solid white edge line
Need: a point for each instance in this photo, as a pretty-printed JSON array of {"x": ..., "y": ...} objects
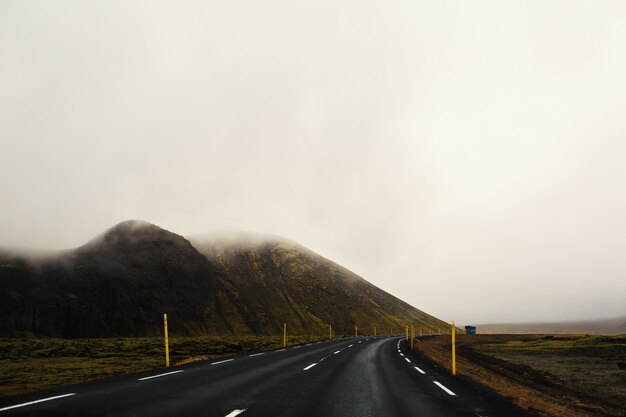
[
  {"x": 36, "y": 401},
  {"x": 296, "y": 347},
  {"x": 235, "y": 413},
  {"x": 160, "y": 375},
  {"x": 280, "y": 350},
  {"x": 408, "y": 360},
  {"x": 419, "y": 370},
  {"x": 224, "y": 361},
  {"x": 440, "y": 385},
  {"x": 309, "y": 367},
  {"x": 257, "y": 354}
]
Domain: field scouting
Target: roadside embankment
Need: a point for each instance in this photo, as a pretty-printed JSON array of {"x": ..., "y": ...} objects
[{"x": 561, "y": 376}]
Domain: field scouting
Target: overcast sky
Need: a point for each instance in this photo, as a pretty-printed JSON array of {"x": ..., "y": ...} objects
[{"x": 468, "y": 157}]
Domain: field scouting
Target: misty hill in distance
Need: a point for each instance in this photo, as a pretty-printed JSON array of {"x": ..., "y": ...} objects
[
  {"x": 280, "y": 277},
  {"x": 601, "y": 326},
  {"x": 121, "y": 282}
]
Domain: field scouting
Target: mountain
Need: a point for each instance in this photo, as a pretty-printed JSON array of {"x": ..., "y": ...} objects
[
  {"x": 616, "y": 325},
  {"x": 117, "y": 284},
  {"x": 121, "y": 282},
  {"x": 282, "y": 281}
]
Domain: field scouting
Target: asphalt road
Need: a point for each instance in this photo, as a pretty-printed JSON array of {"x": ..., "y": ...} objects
[{"x": 357, "y": 377}]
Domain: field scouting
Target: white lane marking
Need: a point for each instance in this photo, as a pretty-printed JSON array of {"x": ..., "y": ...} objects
[
  {"x": 360, "y": 341},
  {"x": 401, "y": 354},
  {"x": 224, "y": 361},
  {"x": 408, "y": 360},
  {"x": 336, "y": 352},
  {"x": 257, "y": 354},
  {"x": 350, "y": 346},
  {"x": 308, "y": 344},
  {"x": 419, "y": 370},
  {"x": 280, "y": 350},
  {"x": 235, "y": 413},
  {"x": 399, "y": 351},
  {"x": 296, "y": 347},
  {"x": 309, "y": 367},
  {"x": 160, "y": 375},
  {"x": 444, "y": 388},
  {"x": 36, "y": 401}
]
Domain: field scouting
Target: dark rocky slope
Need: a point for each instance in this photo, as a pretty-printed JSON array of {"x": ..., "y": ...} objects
[
  {"x": 282, "y": 281},
  {"x": 120, "y": 283}
]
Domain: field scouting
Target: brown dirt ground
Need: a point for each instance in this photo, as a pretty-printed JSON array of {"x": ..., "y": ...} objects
[{"x": 560, "y": 383}]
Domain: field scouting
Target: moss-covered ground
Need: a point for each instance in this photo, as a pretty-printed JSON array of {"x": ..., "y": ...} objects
[{"x": 32, "y": 365}]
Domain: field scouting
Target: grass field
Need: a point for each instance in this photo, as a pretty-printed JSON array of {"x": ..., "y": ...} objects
[
  {"x": 552, "y": 375},
  {"x": 31, "y": 365},
  {"x": 586, "y": 366}
]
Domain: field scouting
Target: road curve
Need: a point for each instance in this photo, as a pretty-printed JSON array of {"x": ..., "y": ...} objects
[{"x": 360, "y": 377}]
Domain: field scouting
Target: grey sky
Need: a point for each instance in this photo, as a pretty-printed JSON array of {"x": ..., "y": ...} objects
[{"x": 467, "y": 157}]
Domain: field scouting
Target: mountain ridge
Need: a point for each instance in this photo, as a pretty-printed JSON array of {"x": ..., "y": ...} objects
[
  {"x": 606, "y": 326},
  {"x": 120, "y": 282}
]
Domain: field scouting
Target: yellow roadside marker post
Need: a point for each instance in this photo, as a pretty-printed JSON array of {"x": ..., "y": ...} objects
[
  {"x": 412, "y": 335},
  {"x": 330, "y": 331},
  {"x": 285, "y": 334},
  {"x": 167, "y": 342},
  {"x": 453, "y": 351},
  {"x": 356, "y": 331},
  {"x": 406, "y": 330}
]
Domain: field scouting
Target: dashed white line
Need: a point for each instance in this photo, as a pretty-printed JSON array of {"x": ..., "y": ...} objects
[
  {"x": 444, "y": 388},
  {"x": 280, "y": 350},
  {"x": 401, "y": 354},
  {"x": 360, "y": 341},
  {"x": 36, "y": 401},
  {"x": 160, "y": 375},
  {"x": 257, "y": 354},
  {"x": 235, "y": 413},
  {"x": 419, "y": 370},
  {"x": 309, "y": 367},
  {"x": 296, "y": 347},
  {"x": 224, "y": 361},
  {"x": 350, "y": 346},
  {"x": 408, "y": 360},
  {"x": 336, "y": 352}
]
